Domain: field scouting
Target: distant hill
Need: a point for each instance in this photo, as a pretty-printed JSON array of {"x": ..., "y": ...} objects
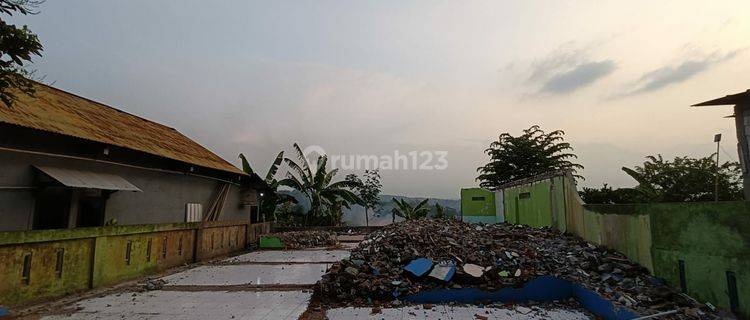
[{"x": 382, "y": 215}]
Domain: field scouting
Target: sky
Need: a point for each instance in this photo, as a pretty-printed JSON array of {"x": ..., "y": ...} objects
[{"x": 376, "y": 77}]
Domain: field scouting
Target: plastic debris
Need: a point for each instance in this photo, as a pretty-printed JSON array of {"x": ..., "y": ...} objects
[{"x": 419, "y": 267}]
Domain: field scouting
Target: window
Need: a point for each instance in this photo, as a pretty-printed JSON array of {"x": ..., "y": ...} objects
[
  {"x": 59, "y": 262},
  {"x": 128, "y": 249},
  {"x": 26, "y": 271},
  {"x": 164, "y": 248},
  {"x": 148, "y": 250},
  {"x": 524, "y": 195},
  {"x": 193, "y": 212},
  {"x": 477, "y": 198},
  {"x": 179, "y": 247}
]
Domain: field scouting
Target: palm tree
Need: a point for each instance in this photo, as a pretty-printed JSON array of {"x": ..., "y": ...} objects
[
  {"x": 407, "y": 211},
  {"x": 316, "y": 185},
  {"x": 271, "y": 200}
]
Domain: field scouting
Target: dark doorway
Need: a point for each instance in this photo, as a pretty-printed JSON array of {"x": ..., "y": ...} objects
[
  {"x": 52, "y": 208},
  {"x": 91, "y": 212},
  {"x": 254, "y": 214}
]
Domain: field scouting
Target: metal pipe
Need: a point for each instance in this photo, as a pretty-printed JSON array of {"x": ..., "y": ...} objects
[{"x": 656, "y": 315}]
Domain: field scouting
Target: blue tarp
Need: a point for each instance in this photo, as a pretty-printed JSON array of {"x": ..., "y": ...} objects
[{"x": 542, "y": 289}]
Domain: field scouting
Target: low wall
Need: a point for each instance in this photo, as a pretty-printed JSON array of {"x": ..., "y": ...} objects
[
  {"x": 703, "y": 248},
  {"x": 49, "y": 263},
  {"x": 712, "y": 240}
]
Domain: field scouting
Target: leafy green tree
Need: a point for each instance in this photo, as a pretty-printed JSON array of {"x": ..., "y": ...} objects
[
  {"x": 686, "y": 179},
  {"x": 532, "y": 153},
  {"x": 368, "y": 189},
  {"x": 318, "y": 186},
  {"x": 406, "y": 210},
  {"x": 607, "y": 195},
  {"x": 290, "y": 214},
  {"x": 272, "y": 198},
  {"x": 17, "y": 46}
]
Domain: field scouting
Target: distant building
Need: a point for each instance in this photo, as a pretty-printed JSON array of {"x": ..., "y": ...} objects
[
  {"x": 479, "y": 205},
  {"x": 67, "y": 162}
]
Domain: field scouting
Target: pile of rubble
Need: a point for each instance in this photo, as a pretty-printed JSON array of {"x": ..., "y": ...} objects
[
  {"x": 421, "y": 255},
  {"x": 306, "y": 239}
]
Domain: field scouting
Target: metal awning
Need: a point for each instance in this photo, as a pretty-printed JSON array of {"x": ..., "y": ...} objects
[{"x": 86, "y": 179}]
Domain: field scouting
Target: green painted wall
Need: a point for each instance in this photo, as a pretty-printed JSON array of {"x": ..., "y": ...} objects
[
  {"x": 711, "y": 238},
  {"x": 94, "y": 257},
  {"x": 478, "y": 205},
  {"x": 536, "y": 204},
  {"x": 44, "y": 280}
]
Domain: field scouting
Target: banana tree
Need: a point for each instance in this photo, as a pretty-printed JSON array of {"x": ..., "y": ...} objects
[
  {"x": 273, "y": 198},
  {"x": 317, "y": 185},
  {"x": 405, "y": 210}
]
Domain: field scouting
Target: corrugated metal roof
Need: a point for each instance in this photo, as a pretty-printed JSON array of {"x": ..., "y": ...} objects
[
  {"x": 57, "y": 111},
  {"x": 86, "y": 179},
  {"x": 739, "y": 98}
]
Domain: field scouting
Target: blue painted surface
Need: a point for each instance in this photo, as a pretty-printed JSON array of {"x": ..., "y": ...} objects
[
  {"x": 3, "y": 312},
  {"x": 419, "y": 267},
  {"x": 542, "y": 289}
]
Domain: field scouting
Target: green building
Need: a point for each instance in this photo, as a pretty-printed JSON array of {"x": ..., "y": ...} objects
[{"x": 479, "y": 205}]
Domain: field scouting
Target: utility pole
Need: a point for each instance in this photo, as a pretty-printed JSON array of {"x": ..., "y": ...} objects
[{"x": 717, "y": 139}]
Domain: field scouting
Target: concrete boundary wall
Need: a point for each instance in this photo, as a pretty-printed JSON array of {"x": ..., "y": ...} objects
[
  {"x": 703, "y": 248},
  {"x": 47, "y": 263}
]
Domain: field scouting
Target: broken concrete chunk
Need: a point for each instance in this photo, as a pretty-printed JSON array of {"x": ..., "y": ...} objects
[
  {"x": 473, "y": 270},
  {"x": 522, "y": 310},
  {"x": 444, "y": 271}
]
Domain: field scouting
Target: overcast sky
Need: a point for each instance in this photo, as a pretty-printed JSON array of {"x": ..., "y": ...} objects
[{"x": 358, "y": 77}]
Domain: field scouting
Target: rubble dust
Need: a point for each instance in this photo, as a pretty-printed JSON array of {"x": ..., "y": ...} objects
[{"x": 306, "y": 239}]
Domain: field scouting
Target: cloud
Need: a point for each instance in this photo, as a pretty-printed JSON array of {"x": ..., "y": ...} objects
[
  {"x": 673, "y": 74},
  {"x": 579, "y": 77},
  {"x": 567, "y": 70}
]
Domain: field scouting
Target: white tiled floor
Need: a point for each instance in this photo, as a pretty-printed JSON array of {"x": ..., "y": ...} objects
[
  {"x": 265, "y": 305},
  {"x": 249, "y": 274},
  {"x": 291, "y": 256},
  {"x": 450, "y": 312}
]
